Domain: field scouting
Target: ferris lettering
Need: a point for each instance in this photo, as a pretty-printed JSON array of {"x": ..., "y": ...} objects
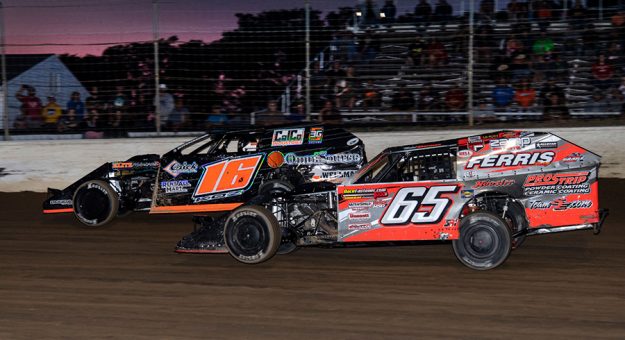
[
  {"x": 407, "y": 204},
  {"x": 503, "y": 160}
]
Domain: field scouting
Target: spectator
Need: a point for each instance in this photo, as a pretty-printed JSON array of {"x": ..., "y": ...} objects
[
  {"x": 329, "y": 114},
  {"x": 119, "y": 107},
  {"x": 503, "y": 95},
  {"x": 403, "y": 100},
  {"x": 577, "y": 16},
  {"x": 423, "y": 11},
  {"x": 602, "y": 73},
  {"x": 429, "y": 99},
  {"x": 455, "y": 99},
  {"x": 437, "y": 55},
  {"x": 31, "y": 107},
  {"x": 179, "y": 116},
  {"x": 598, "y": 103},
  {"x": 77, "y": 105},
  {"x": 334, "y": 74},
  {"x": 525, "y": 96},
  {"x": 556, "y": 68},
  {"x": 443, "y": 12},
  {"x": 51, "y": 112},
  {"x": 68, "y": 121},
  {"x": 369, "y": 46},
  {"x": 544, "y": 14},
  {"x": 94, "y": 103},
  {"x": 344, "y": 91},
  {"x": 388, "y": 12},
  {"x": 166, "y": 104},
  {"x": 371, "y": 96},
  {"x": 416, "y": 51},
  {"x": 369, "y": 13},
  {"x": 551, "y": 89},
  {"x": 554, "y": 107},
  {"x": 514, "y": 10},
  {"x": 271, "y": 115},
  {"x": 622, "y": 86},
  {"x": 216, "y": 117},
  {"x": 520, "y": 68},
  {"x": 543, "y": 44},
  {"x": 513, "y": 46}
]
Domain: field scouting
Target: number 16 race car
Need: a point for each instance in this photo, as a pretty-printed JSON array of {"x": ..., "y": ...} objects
[{"x": 483, "y": 193}]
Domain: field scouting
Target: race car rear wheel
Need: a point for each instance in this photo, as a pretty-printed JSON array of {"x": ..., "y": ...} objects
[
  {"x": 485, "y": 241},
  {"x": 95, "y": 203},
  {"x": 252, "y": 234}
]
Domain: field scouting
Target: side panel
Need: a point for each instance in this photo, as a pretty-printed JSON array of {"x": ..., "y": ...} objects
[{"x": 399, "y": 211}]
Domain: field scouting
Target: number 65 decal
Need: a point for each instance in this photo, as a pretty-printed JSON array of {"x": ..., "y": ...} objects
[
  {"x": 228, "y": 175},
  {"x": 407, "y": 202}
]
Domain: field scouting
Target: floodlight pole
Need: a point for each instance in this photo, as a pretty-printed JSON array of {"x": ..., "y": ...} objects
[
  {"x": 157, "y": 90},
  {"x": 470, "y": 65},
  {"x": 5, "y": 86},
  {"x": 307, "y": 69}
]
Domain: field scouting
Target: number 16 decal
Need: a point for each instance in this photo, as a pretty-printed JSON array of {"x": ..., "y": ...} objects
[
  {"x": 407, "y": 204},
  {"x": 234, "y": 174}
]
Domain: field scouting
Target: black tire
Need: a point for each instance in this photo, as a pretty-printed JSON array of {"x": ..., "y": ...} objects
[
  {"x": 252, "y": 234},
  {"x": 515, "y": 217},
  {"x": 95, "y": 203},
  {"x": 485, "y": 241}
]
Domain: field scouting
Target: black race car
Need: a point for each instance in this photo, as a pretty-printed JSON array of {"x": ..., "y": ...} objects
[{"x": 218, "y": 171}]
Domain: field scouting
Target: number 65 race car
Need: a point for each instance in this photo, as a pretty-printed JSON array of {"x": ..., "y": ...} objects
[
  {"x": 216, "y": 172},
  {"x": 484, "y": 193}
]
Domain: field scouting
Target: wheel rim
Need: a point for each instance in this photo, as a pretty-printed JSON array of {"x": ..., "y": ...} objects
[
  {"x": 481, "y": 241},
  {"x": 93, "y": 204},
  {"x": 249, "y": 236}
]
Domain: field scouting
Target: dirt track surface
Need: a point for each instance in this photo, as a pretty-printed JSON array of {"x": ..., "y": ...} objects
[{"x": 60, "y": 281}]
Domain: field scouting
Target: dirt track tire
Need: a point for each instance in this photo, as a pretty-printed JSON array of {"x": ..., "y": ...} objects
[
  {"x": 252, "y": 234},
  {"x": 95, "y": 203},
  {"x": 484, "y": 243}
]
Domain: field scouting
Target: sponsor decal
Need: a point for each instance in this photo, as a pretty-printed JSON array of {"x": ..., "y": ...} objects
[
  {"x": 359, "y": 226},
  {"x": 444, "y": 236},
  {"x": 226, "y": 178},
  {"x": 275, "y": 159},
  {"x": 465, "y": 153},
  {"x": 419, "y": 205},
  {"x": 134, "y": 165},
  {"x": 450, "y": 223},
  {"x": 561, "y": 204},
  {"x": 360, "y": 205},
  {"x": 286, "y": 137},
  {"x": 322, "y": 157},
  {"x": 546, "y": 145},
  {"x": 351, "y": 194},
  {"x": 510, "y": 143},
  {"x": 574, "y": 157},
  {"x": 332, "y": 175},
  {"x": 67, "y": 202},
  {"x": 557, "y": 184},
  {"x": 364, "y": 215},
  {"x": 510, "y": 159},
  {"x": 353, "y": 141},
  {"x": 466, "y": 193},
  {"x": 315, "y": 136},
  {"x": 175, "y": 168},
  {"x": 475, "y": 143},
  {"x": 175, "y": 187},
  {"x": 122, "y": 165},
  {"x": 493, "y": 183}
]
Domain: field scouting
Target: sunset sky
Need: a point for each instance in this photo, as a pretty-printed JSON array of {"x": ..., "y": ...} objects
[{"x": 83, "y": 26}]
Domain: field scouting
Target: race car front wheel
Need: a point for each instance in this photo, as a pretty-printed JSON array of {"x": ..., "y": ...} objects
[
  {"x": 252, "y": 234},
  {"x": 484, "y": 242},
  {"x": 95, "y": 203}
]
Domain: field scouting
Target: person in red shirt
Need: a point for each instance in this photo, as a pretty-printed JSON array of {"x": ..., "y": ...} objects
[
  {"x": 525, "y": 96},
  {"x": 603, "y": 73},
  {"x": 31, "y": 106},
  {"x": 455, "y": 99}
]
